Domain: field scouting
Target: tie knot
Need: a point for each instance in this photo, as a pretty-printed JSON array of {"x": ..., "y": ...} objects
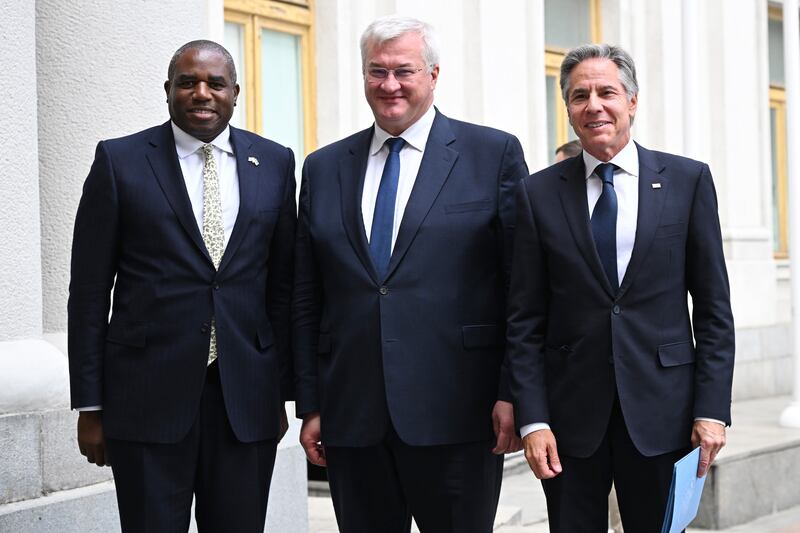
[
  {"x": 208, "y": 149},
  {"x": 395, "y": 144},
  {"x": 605, "y": 172}
]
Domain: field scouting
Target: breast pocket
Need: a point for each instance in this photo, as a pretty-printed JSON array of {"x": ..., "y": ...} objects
[
  {"x": 670, "y": 230},
  {"x": 466, "y": 207},
  {"x": 268, "y": 213}
]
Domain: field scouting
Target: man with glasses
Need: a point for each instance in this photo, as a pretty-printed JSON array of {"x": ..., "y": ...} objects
[{"x": 402, "y": 259}]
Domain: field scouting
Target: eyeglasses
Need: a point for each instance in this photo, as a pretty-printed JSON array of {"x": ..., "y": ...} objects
[{"x": 376, "y": 74}]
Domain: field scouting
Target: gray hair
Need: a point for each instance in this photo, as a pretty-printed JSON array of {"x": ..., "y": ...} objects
[
  {"x": 393, "y": 26},
  {"x": 621, "y": 58},
  {"x": 209, "y": 46}
]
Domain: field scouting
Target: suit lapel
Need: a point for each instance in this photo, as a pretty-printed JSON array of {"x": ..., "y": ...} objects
[
  {"x": 352, "y": 169},
  {"x": 651, "y": 203},
  {"x": 164, "y": 162},
  {"x": 437, "y": 162},
  {"x": 576, "y": 210},
  {"x": 248, "y": 193}
]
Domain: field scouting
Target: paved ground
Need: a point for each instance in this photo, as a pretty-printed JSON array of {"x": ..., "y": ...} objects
[
  {"x": 522, "y": 506},
  {"x": 522, "y": 492}
]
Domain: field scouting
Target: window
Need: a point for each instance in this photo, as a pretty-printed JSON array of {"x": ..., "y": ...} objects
[
  {"x": 777, "y": 122},
  {"x": 568, "y": 23},
  {"x": 777, "y": 119},
  {"x": 272, "y": 45}
]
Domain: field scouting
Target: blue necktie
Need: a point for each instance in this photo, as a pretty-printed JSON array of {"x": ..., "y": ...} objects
[
  {"x": 604, "y": 223},
  {"x": 380, "y": 240}
]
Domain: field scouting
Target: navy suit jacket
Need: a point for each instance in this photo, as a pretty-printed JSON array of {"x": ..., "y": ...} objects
[
  {"x": 574, "y": 343},
  {"x": 135, "y": 231},
  {"x": 421, "y": 349}
]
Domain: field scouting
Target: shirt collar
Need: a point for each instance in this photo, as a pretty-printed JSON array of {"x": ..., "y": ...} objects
[
  {"x": 626, "y": 159},
  {"x": 186, "y": 145},
  {"x": 416, "y": 135}
]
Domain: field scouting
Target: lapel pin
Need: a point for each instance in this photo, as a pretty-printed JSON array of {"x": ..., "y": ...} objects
[
  {"x": 253, "y": 160},
  {"x": 656, "y": 185}
]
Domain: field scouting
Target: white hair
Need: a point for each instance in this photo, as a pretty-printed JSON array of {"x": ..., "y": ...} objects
[{"x": 393, "y": 26}]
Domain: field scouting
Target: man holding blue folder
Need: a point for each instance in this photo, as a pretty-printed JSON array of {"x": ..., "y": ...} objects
[{"x": 612, "y": 378}]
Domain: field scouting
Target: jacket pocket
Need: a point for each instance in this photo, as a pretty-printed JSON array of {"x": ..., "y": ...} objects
[
  {"x": 676, "y": 354},
  {"x": 479, "y": 205},
  {"x": 562, "y": 349},
  {"x": 127, "y": 333},
  {"x": 482, "y": 336},
  {"x": 324, "y": 343},
  {"x": 265, "y": 336}
]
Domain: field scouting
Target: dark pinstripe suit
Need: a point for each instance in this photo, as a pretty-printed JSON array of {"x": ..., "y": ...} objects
[{"x": 135, "y": 231}]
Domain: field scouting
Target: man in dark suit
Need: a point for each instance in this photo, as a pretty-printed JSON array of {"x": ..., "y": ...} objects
[
  {"x": 403, "y": 250},
  {"x": 192, "y": 224},
  {"x": 612, "y": 379}
]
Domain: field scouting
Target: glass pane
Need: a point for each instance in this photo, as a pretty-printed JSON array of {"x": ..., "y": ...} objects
[
  {"x": 282, "y": 90},
  {"x": 775, "y": 38},
  {"x": 234, "y": 42},
  {"x": 552, "y": 141},
  {"x": 567, "y": 23}
]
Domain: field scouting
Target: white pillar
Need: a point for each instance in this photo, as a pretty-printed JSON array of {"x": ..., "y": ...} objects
[
  {"x": 33, "y": 374},
  {"x": 110, "y": 65},
  {"x": 689, "y": 54},
  {"x": 536, "y": 152},
  {"x": 791, "y": 57}
]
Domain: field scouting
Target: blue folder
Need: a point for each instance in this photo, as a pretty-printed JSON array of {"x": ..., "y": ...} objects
[{"x": 684, "y": 493}]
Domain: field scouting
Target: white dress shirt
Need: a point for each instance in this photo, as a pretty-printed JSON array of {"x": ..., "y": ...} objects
[
  {"x": 416, "y": 137},
  {"x": 626, "y": 185},
  {"x": 191, "y": 158}
]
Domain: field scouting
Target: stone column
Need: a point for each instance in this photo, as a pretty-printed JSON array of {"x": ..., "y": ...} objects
[
  {"x": 101, "y": 75},
  {"x": 791, "y": 56},
  {"x": 534, "y": 140},
  {"x": 689, "y": 48},
  {"x": 734, "y": 80},
  {"x": 33, "y": 374},
  {"x": 83, "y": 72}
]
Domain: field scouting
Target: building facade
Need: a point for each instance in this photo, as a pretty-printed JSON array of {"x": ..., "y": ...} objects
[{"x": 712, "y": 86}]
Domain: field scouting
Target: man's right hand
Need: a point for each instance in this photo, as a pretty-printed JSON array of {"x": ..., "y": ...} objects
[
  {"x": 541, "y": 453},
  {"x": 310, "y": 435},
  {"x": 91, "y": 441}
]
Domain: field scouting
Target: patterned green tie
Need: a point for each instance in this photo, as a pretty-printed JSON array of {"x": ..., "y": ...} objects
[{"x": 213, "y": 230}]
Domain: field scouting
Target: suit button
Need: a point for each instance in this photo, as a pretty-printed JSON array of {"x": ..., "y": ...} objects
[
  {"x": 384, "y": 290},
  {"x": 615, "y": 310},
  {"x": 216, "y": 286},
  {"x": 204, "y": 329}
]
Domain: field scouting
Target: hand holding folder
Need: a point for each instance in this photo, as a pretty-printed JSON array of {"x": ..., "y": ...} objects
[{"x": 684, "y": 493}]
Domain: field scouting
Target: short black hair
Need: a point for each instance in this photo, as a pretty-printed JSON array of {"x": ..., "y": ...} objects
[{"x": 202, "y": 44}]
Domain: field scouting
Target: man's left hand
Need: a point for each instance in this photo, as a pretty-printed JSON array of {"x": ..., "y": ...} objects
[
  {"x": 710, "y": 436},
  {"x": 503, "y": 423}
]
